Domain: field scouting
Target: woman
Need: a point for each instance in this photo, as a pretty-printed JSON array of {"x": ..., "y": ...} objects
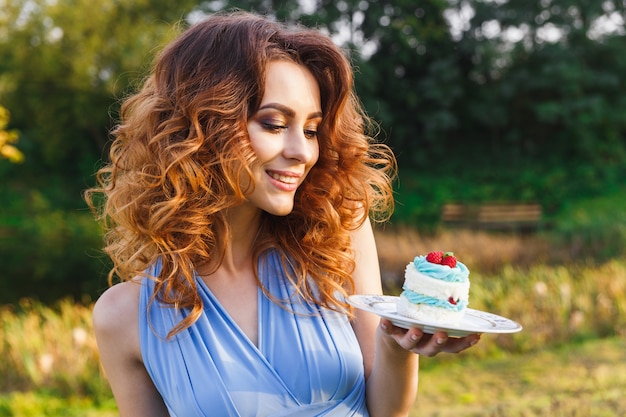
[{"x": 237, "y": 203}]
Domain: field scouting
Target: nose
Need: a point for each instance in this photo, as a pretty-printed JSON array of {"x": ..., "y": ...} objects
[{"x": 300, "y": 148}]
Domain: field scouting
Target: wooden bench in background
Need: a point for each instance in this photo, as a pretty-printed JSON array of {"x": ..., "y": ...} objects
[{"x": 493, "y": 216}]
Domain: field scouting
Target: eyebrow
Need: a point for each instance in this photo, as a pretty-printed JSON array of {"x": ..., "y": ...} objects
[{"x": 289, "y": 111}]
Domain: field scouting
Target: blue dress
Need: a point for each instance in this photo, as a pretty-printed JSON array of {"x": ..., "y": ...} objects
[{"x": 307, "y": 362}]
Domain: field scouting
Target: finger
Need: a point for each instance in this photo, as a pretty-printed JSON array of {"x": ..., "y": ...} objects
[
  {"x": 433, "y": 344},
  {"x": 412, "y": 339},
  {"x": 388, "y": 327},
  {"x": 407, "y": 339},
  {"x": 456, "y": 345}
]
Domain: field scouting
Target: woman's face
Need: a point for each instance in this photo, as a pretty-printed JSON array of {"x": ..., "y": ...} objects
[{"x": 283, "y": 135}]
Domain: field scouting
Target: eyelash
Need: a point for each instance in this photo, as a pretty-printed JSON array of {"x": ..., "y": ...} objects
[
  {"x": 310, "y": 134},
  {"x": 273, "y": 128}
]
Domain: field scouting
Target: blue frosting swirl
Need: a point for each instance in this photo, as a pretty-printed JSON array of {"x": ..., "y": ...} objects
[
  {"x": 416, "y": 298},
  {"x": 459, "y": 273}
]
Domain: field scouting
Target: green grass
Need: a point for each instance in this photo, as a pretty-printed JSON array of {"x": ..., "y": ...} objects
[
  {"x": 42, "y": 404},
  {"x": 577, "y": 380}
]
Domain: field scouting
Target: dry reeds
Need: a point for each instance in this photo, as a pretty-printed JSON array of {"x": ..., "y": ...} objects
[
  {"x": 50, "y": 347},
  {"x": 480, "y": 251}
]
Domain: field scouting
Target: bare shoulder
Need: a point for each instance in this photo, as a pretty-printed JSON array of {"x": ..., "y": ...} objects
[
  {"x": 116, "y": 325},
  {"x": 117, "y": 309}
]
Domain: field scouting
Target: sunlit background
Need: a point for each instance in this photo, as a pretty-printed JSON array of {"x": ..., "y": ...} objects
[{"x": 508, "y": 121}]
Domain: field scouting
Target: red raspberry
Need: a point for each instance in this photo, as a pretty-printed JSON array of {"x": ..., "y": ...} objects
[
  {"x": 434, "y": 257},
  {"x": 449, "y": 259}
]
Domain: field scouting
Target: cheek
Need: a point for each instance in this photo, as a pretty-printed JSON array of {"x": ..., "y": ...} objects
[
  {"x": 264, "y": 149},
  {"x": 259, "y": 143}
]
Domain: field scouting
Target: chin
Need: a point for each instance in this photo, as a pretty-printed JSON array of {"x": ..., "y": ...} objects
[{"x": 280, "y": 212}]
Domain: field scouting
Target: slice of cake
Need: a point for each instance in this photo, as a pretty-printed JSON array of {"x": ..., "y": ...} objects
[{"x": 436, "y": 289}]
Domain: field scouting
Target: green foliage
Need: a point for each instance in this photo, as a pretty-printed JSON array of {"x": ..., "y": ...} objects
[
  {"x": 48, "y": 252},
  {"x": 594, "y": 228},
  {"x": 556, "y": 186},
  {"x": 555, "y": 105},
  {"x": 63, "y": 66}
]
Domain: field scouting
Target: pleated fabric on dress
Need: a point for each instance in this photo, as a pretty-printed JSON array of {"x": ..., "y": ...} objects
[{"x": 307, "y": 362}]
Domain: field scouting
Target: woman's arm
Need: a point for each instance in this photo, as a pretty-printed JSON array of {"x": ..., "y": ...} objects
[
  {"x": 389, "y": 352},
  {"x": 115, "y": 321}
]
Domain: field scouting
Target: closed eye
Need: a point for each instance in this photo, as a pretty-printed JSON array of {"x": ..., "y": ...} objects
[
  {"x": 310, "y": 134},
  {"x": 274, "y": 128}
]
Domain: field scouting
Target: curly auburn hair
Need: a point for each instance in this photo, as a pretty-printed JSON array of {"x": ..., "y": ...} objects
[{"x": 182, "y": 147}]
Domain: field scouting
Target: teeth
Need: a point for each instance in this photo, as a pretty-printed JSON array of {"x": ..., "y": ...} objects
[{"x": 283, "y": 178}]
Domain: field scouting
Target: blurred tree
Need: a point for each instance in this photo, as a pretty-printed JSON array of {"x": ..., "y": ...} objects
[
  {"x": 62, "y": 64},
  {"x": 545, "y": 88},
  {"x": 411, "y": 80}
]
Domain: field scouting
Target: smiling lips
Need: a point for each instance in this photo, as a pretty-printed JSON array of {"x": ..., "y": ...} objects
[
  {"x": 284, "y": 181},
  {"x": 288, "y": 179}
]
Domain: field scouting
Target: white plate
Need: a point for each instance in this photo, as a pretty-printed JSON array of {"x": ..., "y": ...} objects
[{"x": 473, "y": 321}]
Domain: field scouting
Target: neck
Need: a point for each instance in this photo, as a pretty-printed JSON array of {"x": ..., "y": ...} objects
[{"x": 243, "y": 227}]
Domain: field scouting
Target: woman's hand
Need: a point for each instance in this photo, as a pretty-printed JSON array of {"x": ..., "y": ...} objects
[{"x": 416, "y": 341}]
